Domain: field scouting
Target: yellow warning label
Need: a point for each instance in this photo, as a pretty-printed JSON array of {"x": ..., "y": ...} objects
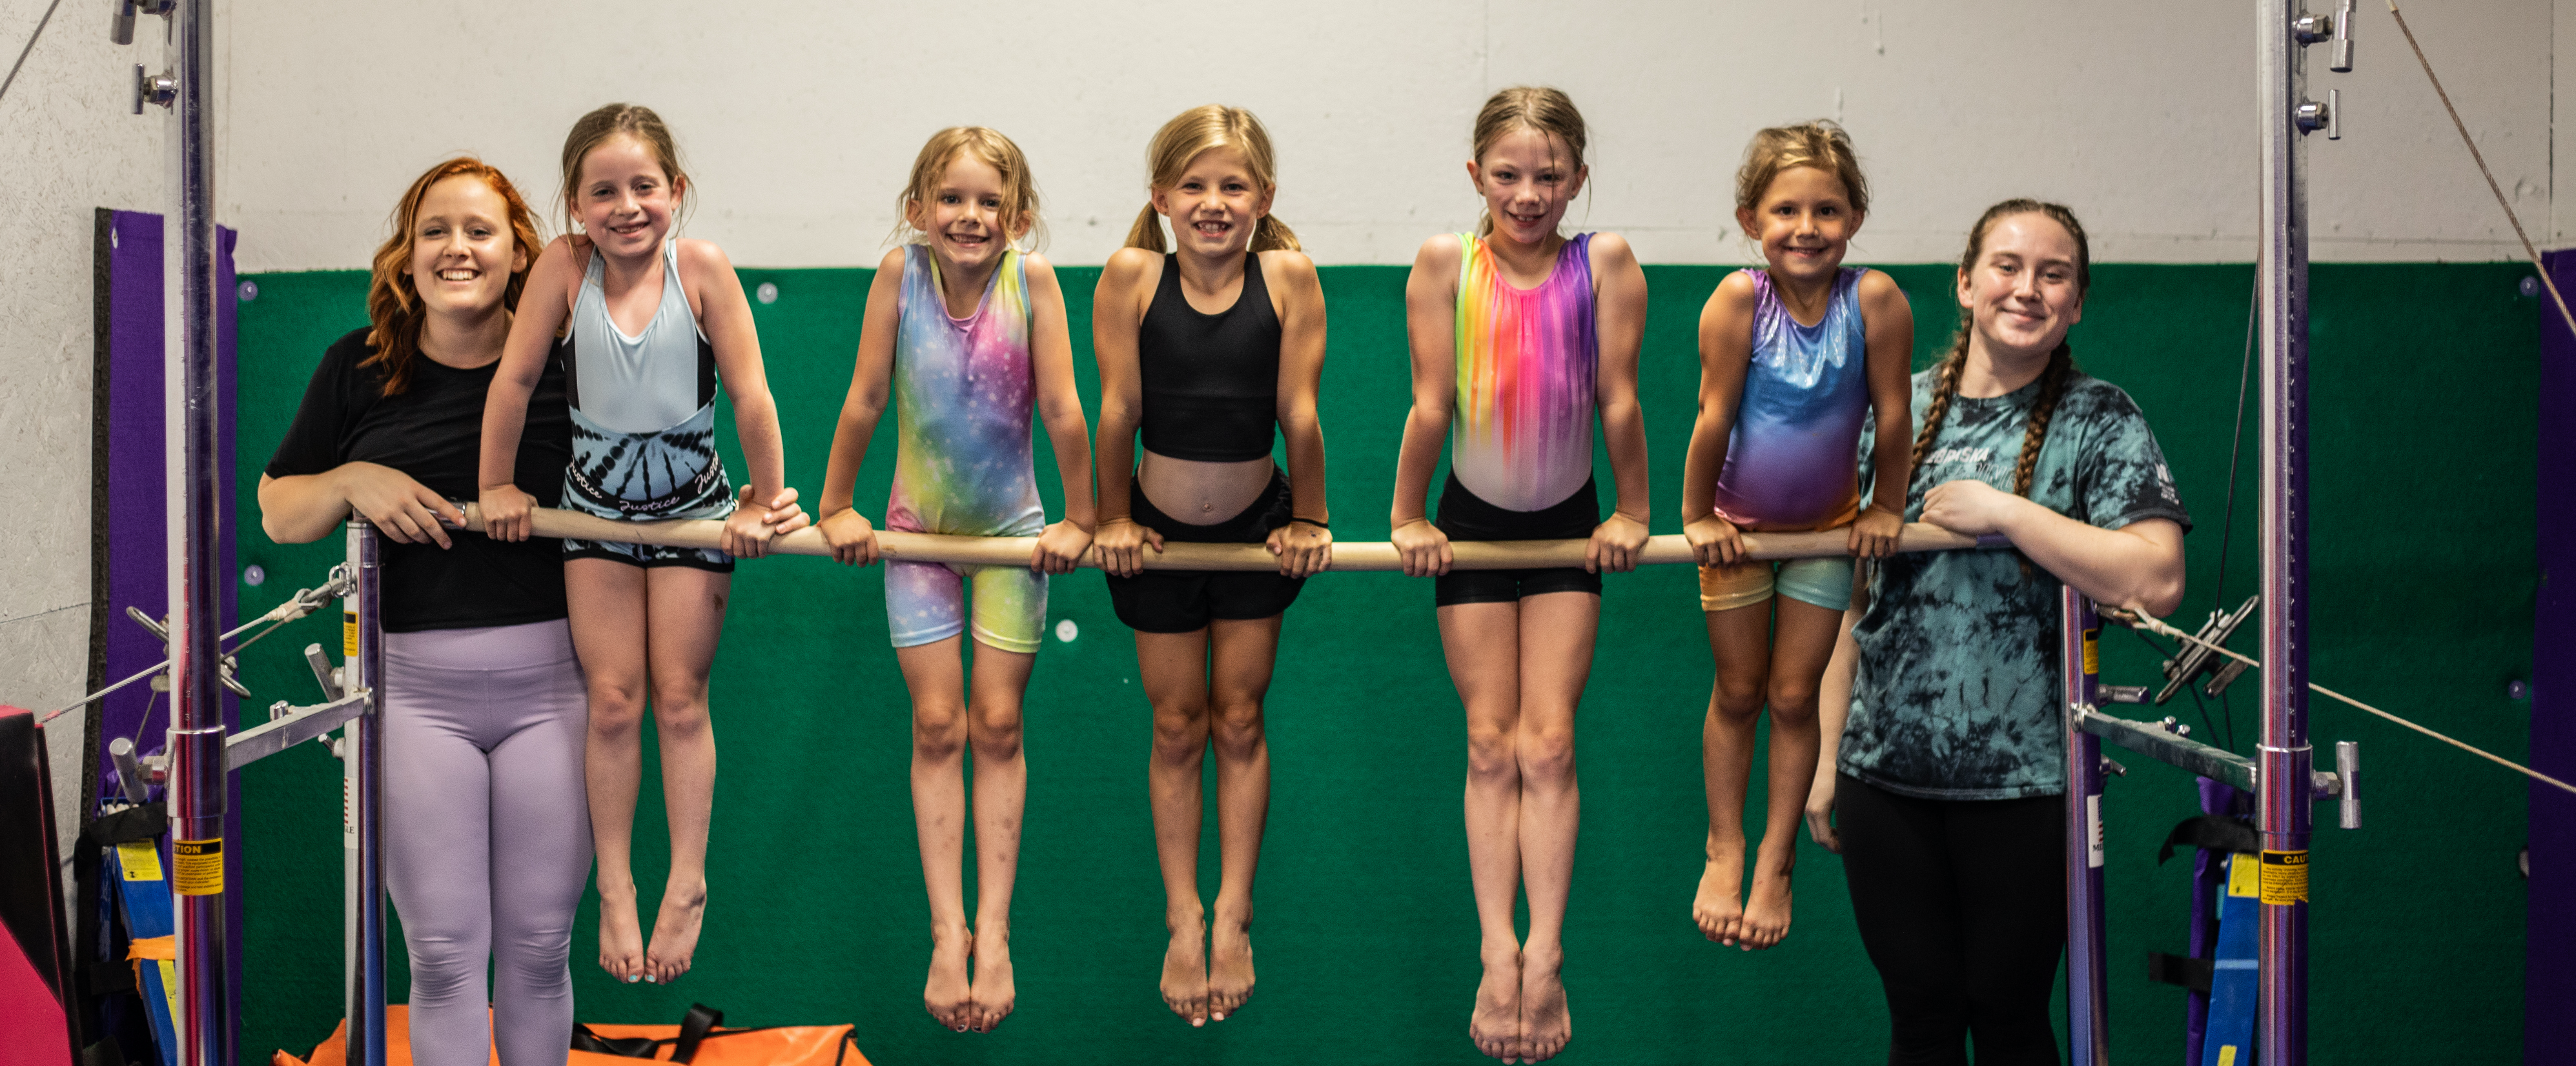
[
  {"x": 170, "y": 987},
  {"x": 2285, "y": 877},
  {"x": 142, "y": 861},
  {"x": 348, "y": 633},
  {"x": 2244, "y": 878},
  {"x": 2093, "y": 651},
  {"x": 198, "y": 867},
  {"x": 2226, "y": 1055}
]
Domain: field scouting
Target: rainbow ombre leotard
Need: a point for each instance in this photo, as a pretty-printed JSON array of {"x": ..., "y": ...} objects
[
  {"x": 963, "y": 395},
  {"x": 1521, "y": 437},
  {"x": 1790, "y": 461}
]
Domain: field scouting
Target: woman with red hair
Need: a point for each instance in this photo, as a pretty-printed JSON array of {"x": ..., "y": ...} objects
[{"x": 487, "y": 832}]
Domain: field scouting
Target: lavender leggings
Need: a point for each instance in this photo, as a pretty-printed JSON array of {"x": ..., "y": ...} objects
[{"x": 487, "y": 835}]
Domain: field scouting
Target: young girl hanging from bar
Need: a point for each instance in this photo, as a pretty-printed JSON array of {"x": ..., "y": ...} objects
[
  {"x": 1795, "y": 357},
  {"x": 652, "y": 324},
  {"x": 968, "y": 333},
  {"x": 1206, "y": 343},
  {"x": 1520, "y": 338}
]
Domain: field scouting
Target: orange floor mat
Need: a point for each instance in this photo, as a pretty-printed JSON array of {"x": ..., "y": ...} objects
[{"x": 793, "y": 1045}]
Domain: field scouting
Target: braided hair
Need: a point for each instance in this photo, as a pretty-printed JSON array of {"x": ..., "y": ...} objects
[{"x": 2061, "y": 363}]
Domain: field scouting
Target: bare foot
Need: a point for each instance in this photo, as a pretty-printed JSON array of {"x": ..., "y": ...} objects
[
  {"x": 945, "y": 995},
  {"x": 1766, "y": 912},
  {"x": 993, "y": 995},
  {"x": 621, "y": 944},
  {"x": 1496, "y": 1024},
  {"x": 1185, "y": 977},
  {"x": 1715, "y": 909},
  {"x": 1229, "y": 978},
  {"x": 675, "y": 932},
  {"x": 1545, "y": 1023}
]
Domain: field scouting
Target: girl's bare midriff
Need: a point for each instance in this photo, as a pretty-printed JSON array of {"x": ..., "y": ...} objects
[{"x": 1202, "y": 493}]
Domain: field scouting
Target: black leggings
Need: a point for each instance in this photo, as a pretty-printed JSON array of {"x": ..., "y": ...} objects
[{"x": 1962, "y": 905}]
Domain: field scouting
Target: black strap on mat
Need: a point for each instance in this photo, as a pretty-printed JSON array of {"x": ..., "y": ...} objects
[
  {"x": 2183, "y": 970},
  {"x": 2212, "y": 832},
  {"x": 700, "y": 1023}
]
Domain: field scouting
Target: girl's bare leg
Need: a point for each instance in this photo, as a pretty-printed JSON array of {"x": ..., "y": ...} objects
[
  {"x": 1800, "y": 647},
  {"x": 1556, "y": 638},
  {"x": 684, "y": 614},
  {"x": 1740, "y": 640},
  {"x": 1173, "y": 667},
  {"x": 607, "y": 616},
  {"x": 938, "y": 687},
  {"x": 1482, "y": 642},
  {"x": 1238, "y": 678},
  {"x": 1001, "y": 794}
]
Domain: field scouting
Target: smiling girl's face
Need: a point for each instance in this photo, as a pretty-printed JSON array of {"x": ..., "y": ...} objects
[
  {"x": 1216, "y": 203},
  {"x": 962, "y": 220},
  {"x": 1804, "y": 223},
  {"x": 2023, "y": 292},
  {"x": 1527, "y": 181},
  {"x": 626, "y": 198},
  {"x": 462, "y": 251}
]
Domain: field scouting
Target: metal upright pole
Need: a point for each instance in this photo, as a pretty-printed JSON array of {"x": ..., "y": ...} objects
[
  {"x": 362, "y": 757},
  {"x": 2283, "y": 787},
  {"x": 196, "y": 750},
  {"x": 2087, "y": 990}
]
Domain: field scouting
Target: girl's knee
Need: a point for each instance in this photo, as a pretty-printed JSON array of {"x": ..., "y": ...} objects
[
  {"x": 1793, "y": 703},
  {"x": 996, "y": 733},
  {"x": 1237, "y": 725},
  {"x": 938, "y": 731},
  {"x": 1547, "y": 754},
  {"x": 1492, "y": 753},
  {"x": 1738, "y": 700}
]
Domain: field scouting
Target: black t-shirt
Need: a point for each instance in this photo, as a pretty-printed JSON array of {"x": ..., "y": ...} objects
[{"x": 433, "y": 431}]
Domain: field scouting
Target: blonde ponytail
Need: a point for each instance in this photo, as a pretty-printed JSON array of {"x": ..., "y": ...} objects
[
  {"x": 1147, "y": 233},
  {"x": 1273, "y": 235}
]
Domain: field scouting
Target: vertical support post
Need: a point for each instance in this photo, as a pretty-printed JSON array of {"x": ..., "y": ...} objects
[
  {"x": 2087, "y": 983},
  {"x": 198, "y": 777},
  {"x": 2283, "y": 759},
  {"x": 362, "y": 752}
]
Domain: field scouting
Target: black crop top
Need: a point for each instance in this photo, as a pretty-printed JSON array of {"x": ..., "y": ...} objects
[{"x": 1211, "y": 382}]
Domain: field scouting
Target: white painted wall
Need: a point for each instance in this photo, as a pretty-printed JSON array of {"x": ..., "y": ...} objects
[
  {"x": 68, "y": 145},
  {"x": 801, "y": 118}
]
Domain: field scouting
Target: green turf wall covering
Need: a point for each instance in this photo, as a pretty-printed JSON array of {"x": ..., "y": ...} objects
[{"x": 2423, "y": 576}]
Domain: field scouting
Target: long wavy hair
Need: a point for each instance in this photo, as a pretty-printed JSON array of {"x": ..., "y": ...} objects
[{"x": 394, "y": 311}]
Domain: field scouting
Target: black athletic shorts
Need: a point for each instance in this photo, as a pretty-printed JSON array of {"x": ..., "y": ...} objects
[
  {"x": 1466, "y": 516},
  {"x": 1183, "y": 601}
]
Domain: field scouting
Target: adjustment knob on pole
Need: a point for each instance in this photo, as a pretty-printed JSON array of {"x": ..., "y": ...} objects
[
  {"x": 2342, "y": 62},
  {"x": 2348, "y": 769}
]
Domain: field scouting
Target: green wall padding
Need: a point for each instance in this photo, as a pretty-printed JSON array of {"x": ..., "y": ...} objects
[{"x": 2422, "y": 475}]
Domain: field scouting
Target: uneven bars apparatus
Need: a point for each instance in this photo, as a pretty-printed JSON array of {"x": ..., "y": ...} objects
[{"x": 2282, "y": 776}]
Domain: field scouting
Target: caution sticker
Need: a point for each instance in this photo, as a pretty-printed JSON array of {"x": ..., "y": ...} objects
[
  {"x": 2093, "y": 831},
  {"x": 2093, "y": 651},
  {"x": 348, "y": 633},
  {"x": 141, "y": 860},
  {"x": 198, "y": 867},
  {"x": 2285, "y": 877}
]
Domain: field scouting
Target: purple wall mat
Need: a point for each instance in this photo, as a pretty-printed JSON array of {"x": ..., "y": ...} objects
[
  {"x": 137, "y": 537},
  {"x": 2549, "y": 966}
]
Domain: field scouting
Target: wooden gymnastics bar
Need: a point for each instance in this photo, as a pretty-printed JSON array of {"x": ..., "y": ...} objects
[{"x": 1360, "y": 555}]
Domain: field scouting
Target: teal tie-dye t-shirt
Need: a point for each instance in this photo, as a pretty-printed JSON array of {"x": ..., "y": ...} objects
[{"x": 1958, "y": 688}]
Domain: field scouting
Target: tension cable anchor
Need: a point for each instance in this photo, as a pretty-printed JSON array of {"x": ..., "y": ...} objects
[{"x": 2197, "y": 660}]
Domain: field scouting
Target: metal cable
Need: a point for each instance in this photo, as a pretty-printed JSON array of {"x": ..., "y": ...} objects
[
  {"x": 2157, "y": 625},
  {"x": 12, "y": 79}
]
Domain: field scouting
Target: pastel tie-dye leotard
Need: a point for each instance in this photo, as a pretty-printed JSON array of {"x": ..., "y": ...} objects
[
  {"x": 1789, "y": 461},
  {"x": 964, "y": 391},
  {"x": 1521, "y": 437}
]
